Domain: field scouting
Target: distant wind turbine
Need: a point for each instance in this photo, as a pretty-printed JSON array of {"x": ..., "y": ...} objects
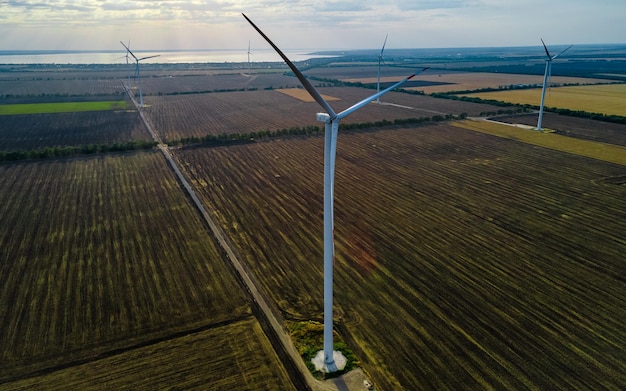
[
  {"x": 137, "y": 70},
  {"x": 249, "y": 72},
  {"x": 546, "y": 79},
  {"x": 331, "y": 127},
  {"x": 380, "y": 59},
  {"x": 127, "y": 62}
]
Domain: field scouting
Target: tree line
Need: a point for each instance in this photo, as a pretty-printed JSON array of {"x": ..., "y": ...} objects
[
  {"x": 231, "y": 138},
  {"x": 69, "y": 150}
]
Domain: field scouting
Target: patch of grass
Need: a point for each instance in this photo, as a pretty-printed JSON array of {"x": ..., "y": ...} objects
[
  {"x": 309, "y": 339},
  {"x": 61, "y": 107}
]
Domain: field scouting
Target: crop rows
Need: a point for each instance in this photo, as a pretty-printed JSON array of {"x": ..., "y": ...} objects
[
  {"x": 582, "y": 128},
  {"x": 247, "y": 111},
  {"x": 99, "y": 254},
  {"x": 463, "y": 260},
  {"x": 59, "y": 87},
  {"x": 33, "y": 131},
  {"x": 236, "y": 356},
  {"x": 194, "y": 83}
]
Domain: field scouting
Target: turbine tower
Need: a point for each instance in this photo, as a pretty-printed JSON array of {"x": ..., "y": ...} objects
[
  {"x": 380, "y": 59},
  {"x": 546, "y": 79},
  {"x": 327, "y": 357},
  {"x": 138, "y": 76}
]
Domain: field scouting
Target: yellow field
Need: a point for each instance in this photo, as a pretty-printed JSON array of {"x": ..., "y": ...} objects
[
  {"x": 464, "y": 81},
  {"x": 605, "y": 99},
  {"x": 601, "y": 151},
  {"x": 302, "y": 94}
]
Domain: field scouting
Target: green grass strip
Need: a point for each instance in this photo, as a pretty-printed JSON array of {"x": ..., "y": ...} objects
[{"x": 61, "y": 107}]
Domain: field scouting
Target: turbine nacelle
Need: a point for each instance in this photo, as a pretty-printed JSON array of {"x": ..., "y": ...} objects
[{"x": 322, "y": 117}]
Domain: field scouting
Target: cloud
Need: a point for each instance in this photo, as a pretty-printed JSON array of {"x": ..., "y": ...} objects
[{"x": 307, "y": 23}]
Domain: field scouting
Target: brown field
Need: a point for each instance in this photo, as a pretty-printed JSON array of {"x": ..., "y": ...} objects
[
  {"x": 303, "y": 95},
  {"x": 59, "y": 83},
  {"x": 59, "y": 86},
  {"x": 168, "y": 84},
  {"x": 592, "y": 149},
  {"x": 102, "y": 254},
  {"x": 80, "y": 128},
  {"x": 237, "y": 356},
  {"x": 463, "y": 81},
  {"x": 605, "y": 99},
  {"x": 451, "y": 80},
  {"x": 463, "y": 260},
  {"x": 582, "y": 128},
  {"x": 246, "y": 111}
]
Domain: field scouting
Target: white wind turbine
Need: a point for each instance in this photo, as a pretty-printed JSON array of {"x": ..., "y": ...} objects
[
  {"x": 137, "y": 75},
  {"x": 249, "y": 72},
  {"x": 127, "y": 62},
  {"x": 325, "y": 360},
  {"x": 546, "y": 79},
  {"x": 380, "y": 59}
]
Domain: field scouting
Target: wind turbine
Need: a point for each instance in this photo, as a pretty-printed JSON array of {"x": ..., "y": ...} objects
[
  {"x": 138, "y": 76},
  {"x": 249, "y": 73},
  {"x": 380, "y": 59},
  {"x": 327, "y": 357},
  {"x": 546, "y": 79},
  {"x": 127, "y": 62}
]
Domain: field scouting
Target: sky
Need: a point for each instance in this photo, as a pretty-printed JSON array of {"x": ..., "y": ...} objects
[{"x": 306, "y": 24}]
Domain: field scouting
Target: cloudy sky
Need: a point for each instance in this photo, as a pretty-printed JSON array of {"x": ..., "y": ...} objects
[{"x": 307, "y": 24}]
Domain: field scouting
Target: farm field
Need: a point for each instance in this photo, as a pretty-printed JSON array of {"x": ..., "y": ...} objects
[
  {"x": 24, "y": 132},
  {"x": 463, "y": 81},
  {"x": 592, "y": 149},
  {"x": 100, "y": 255},
  {"x": 463, "y": 260},
  {"x": 90, "y": 83},
  {"x": 441, "y": 79},
  {"x": 62, "y": 107},
  {"x": 194, "y": 83},
  {"x": 60, "y": 85},
  {"x": 236, "y": 356},
  {"x": 201, "y": 114},
  {"x": 605, "y": 99},
  {"x": 582, "y": 128}
]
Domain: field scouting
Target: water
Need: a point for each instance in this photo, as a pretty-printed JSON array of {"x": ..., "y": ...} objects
[{"x": 165, "y": 56}]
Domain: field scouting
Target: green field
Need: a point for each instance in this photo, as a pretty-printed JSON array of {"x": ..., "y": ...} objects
[{"x": 61, "y": 107}]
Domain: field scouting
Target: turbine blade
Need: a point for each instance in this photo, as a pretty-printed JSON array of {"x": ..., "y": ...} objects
[
  {"x": 128, "y": 50},
  {"x": 563, "y": 51},
  {"x": 305, "y": 82},
  {"x": 384, "y": 43},
  {"x": 144, "y": 58},
  {"x": 545, "y": 47},
  {"x": 369, "y": 99}
]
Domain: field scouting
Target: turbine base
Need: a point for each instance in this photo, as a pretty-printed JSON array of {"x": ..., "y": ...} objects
[{"x": 338, "y": 364}]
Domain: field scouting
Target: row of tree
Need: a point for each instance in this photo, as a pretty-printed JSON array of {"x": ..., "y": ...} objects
[
  {"x": 230, "y": 138},
  {"x": 68, "y": 150}
]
